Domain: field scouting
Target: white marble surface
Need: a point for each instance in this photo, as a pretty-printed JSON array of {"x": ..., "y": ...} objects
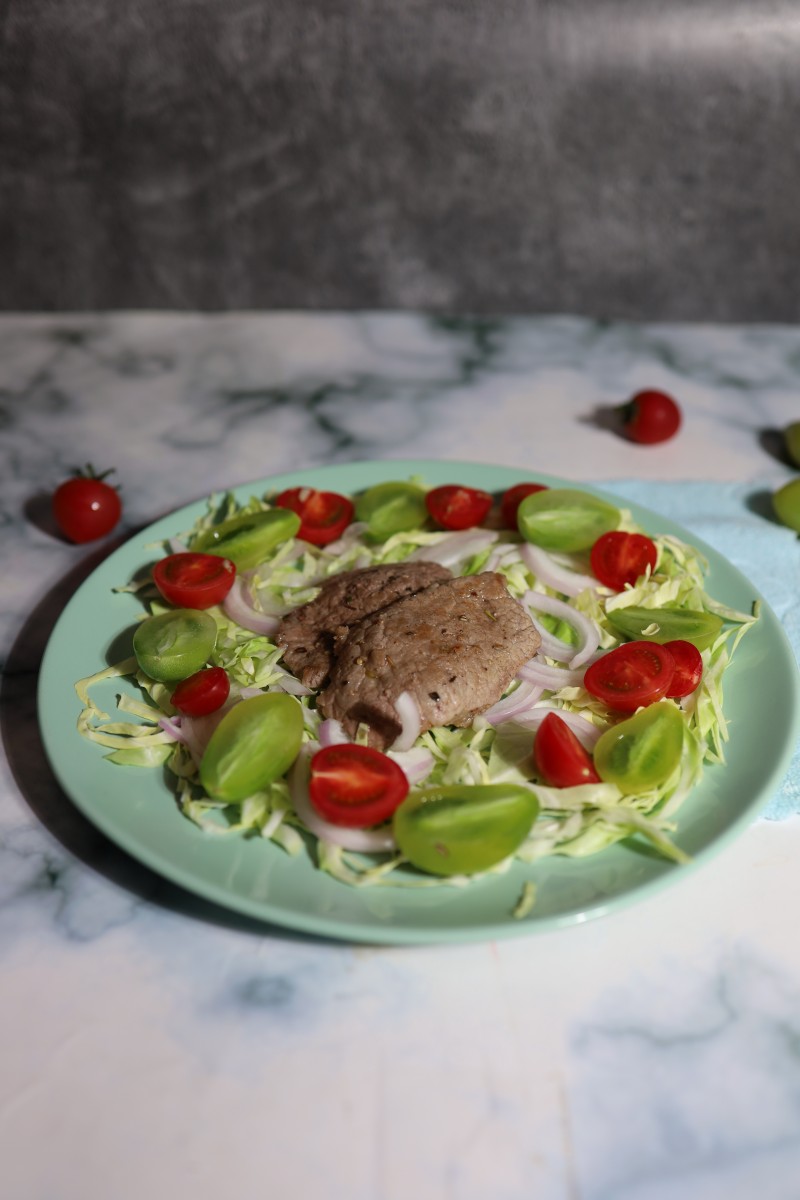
[{"x": 153, "y": 1045}]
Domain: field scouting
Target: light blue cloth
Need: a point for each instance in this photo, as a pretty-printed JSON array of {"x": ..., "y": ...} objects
[{"x": 737, "y": 521}]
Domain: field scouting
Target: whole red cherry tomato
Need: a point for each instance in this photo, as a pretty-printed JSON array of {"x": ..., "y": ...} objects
[
  {"x": 355, "y": 785},
  {"x": 512, "y": 499},
  {"x": 86, "y": 507},
  {"x": 559, "y": 757},
  {"x": 455, "y": 507},
  {"x": 631, "y": 676},
  {"x": 202, "y": 693},
  {"x": 618, "y": 558},
  {"x": 324, "y": 516},
  {"x": 688, "y": 668},
  {"x": 650, "y": 417},
  {"x": 194, "y": 580}
]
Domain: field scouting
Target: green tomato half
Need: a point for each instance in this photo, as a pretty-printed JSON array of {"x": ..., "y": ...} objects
[
  {"x": 254, "y": 744},
  {"x": 641, "y": 753},
  {"x": 674, "y": 624},
  {"x": 174, "y": 644},
  {"x": 250, "y": 538},
  {"x": 565, "y": 519},
  {"x": 389, "y": 508},
  {"x": 460, "y": 830}
]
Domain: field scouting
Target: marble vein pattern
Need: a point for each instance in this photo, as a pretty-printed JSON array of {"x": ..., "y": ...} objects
[{"x": 153, "y": 1042}]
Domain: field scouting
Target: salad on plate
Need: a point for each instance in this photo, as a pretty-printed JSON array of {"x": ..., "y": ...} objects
[{"x": 421, "y": 685}]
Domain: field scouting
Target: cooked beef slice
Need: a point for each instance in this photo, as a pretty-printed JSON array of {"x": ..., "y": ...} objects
[
  {"x": 310, "y": 634},
  {"x": 455, "y": 647}
]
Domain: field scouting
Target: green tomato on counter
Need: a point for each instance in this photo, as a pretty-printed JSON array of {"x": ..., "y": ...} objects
[
  {"x": 791, "y": 437},
  {"x": 254, "y": 744},
  {"x": 565, "y": 519},
  {"x": 174, "y": 644},
  {"x": 250, "y": 538},
  {"x": 786, "y": 503},
  {"x": 460, "y": 830}
]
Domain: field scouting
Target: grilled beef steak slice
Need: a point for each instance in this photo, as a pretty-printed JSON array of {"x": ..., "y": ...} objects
[
  {"x": 310, "y": 634},
  {"x": 455, "y": 647}
]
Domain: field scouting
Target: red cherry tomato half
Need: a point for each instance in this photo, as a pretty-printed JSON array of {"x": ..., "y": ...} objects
[
  {"x": 456, "y": 507},
  {"x": 688, "y": 668},
  {"x": 194, "y": 580},
  {"x": 618, "y": 558},
  {"x": 512, "y": 500},
  {"x": 651, "y": 417},
  {"x": 324, "y": 516},
  {"x": 202, "y": 693},
  {"x": 86, "y": 507},
  {"x": 632, "y": 676},
  {"x": 559, "y": 758},
  {"x": 355, "y": 785}
]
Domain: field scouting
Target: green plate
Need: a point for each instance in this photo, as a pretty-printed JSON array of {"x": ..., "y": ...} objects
[{"x": 136, "y": 809}]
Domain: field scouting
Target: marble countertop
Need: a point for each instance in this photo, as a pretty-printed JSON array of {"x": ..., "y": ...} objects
[{"x": 154, "y": 1044}]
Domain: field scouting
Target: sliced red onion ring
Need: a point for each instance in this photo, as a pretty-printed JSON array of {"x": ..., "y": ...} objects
[
  {"x": 331, "y": 733},
  {"x": 584, "y": 626},
  {"x": 552, "y": 678},
  {"x": 172, "y": 726},
  {"x": 416, "y": 763},
  {"x": 520, "y": 701},
  {"x": 552, "y": 646},
  {"x": 456, "y": 547},
  {"x": 554, "y": 574},
  {"x": 239, "y": 607},
  {"x": 586, "y": 731},
  {"x": 176, "y": 546},
  {"x": 366, "y": 841},
  {"x": 410, "y": 720}
]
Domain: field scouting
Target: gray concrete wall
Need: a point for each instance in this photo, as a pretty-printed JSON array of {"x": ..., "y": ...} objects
[{"x": 628, "y": 158}]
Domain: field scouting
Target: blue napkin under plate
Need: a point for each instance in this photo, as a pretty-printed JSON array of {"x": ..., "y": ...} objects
[{"x": 736, "y": 520}]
